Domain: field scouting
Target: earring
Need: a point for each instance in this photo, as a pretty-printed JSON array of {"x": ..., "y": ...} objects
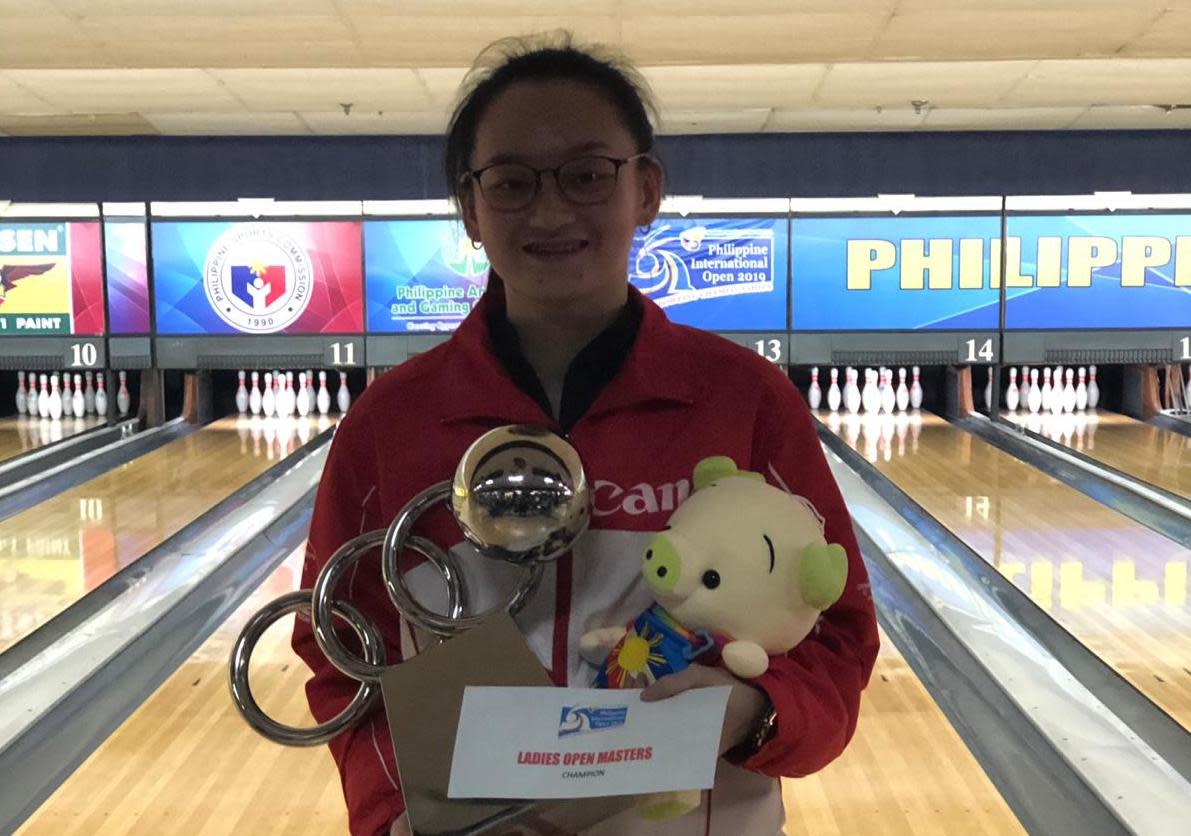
[{"x": 477, "y": 245}]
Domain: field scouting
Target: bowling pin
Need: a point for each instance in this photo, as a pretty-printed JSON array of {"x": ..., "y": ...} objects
[
  {"x": 903, "y": 391},
  {"x": 101, "y": 397},
  {"x": 1081, "y": 391},
  {"x": 851, "y": 391},
  {"x": 343, "y": 396},
  {"x": 123, "y": 399},
  {"x": 915, "y": 390},
  {"x": 33, "y": 399},
  {"x": 888, "y": 398},
  {"x": 1094, "y": 391},
  {"x": 303, "y": 402},
  {"x": 1034, "y": 400},
  {"x": 89, "y": 394},
  {"x": 1046, "y": 390},
  {"x": 814, "y": 395},
  {"x": 77, "y": 400},
  {"x": 43, "y": 396},
  {"x": 55, "y": 409},
  {"x": 1023, "y": 396},
  {"x": 254, "y": 395},
  {"x": 22, "y": 395},
  {"x": 267, "y": 396},
  {"x": 323, "y": 399},
  {"x": 1012, "y": 394},
  {"x": 833, "y": 393},
  {"x": 988, "y": 391},
  {"x": 870, "y": 396},
  {"x": 1069, "y": 391},
  {"x": 310, "y": 388},
  {"x": 67, "y": 396},
  {"x": 291, "y": 394},
  {"x": 242, "y": 395}
]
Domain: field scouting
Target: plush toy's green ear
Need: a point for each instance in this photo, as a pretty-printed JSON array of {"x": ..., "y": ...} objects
[
  {"x": 822, "y": 573},
  {"x": 712, "y": 468},
  {"x": 719, "y": 467}
]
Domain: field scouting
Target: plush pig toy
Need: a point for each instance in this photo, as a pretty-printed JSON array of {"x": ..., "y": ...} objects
[{"x": 743, "y": 569}]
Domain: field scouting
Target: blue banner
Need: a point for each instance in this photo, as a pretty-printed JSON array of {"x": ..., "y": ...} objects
[
  {"x": 896, "y": 273},
  {"x": 1098, "y": 271},
  {"x": 720, "y": 274},
  {"x": 420, "y": 276}
]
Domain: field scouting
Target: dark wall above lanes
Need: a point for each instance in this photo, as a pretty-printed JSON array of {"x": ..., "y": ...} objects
[{"x": 96, "y": 169}]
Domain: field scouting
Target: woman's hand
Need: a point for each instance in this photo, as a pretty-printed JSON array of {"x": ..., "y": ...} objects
[{"x": 745, "y": 703}]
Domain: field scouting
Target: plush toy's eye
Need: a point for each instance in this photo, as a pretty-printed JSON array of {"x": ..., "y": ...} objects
[
  {"x": 711, "y": 579},
  {"x": 649, "y": 554}
]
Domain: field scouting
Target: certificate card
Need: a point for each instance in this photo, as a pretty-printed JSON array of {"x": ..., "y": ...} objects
[{"x": 583, "y": 742}]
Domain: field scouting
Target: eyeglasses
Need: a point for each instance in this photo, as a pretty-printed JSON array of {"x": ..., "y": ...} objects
[{"x": 508, "y": 187}]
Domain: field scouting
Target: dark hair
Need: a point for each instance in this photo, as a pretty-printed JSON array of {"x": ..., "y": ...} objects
[{"x": 541, "y": 58}]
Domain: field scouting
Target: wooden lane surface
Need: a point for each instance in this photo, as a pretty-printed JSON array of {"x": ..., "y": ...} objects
[
  {"x": 1118, "y": 587},
  {"x": 185, "y": 762},
  {"x": 20, "y": 433},
  {"x": 1149, "y": 453},
  {"x": 55, "y": 552},
  {"x": 905, "y": 772}
]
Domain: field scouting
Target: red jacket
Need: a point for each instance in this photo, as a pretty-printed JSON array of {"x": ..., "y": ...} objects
[{"x": 682, "y": 395}]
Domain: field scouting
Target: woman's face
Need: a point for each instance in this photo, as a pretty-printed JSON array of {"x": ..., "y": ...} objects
[{"x": 556, "y": 253}]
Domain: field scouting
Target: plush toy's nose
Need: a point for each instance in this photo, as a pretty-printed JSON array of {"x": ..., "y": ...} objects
[{"x": 661, "y": 564}]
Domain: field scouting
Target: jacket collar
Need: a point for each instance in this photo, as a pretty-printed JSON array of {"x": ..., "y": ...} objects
[{"x": 647, "y": 376}]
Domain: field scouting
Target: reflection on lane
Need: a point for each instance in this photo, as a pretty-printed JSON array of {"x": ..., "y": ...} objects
[
  {"x": 22, "y": 434},
  {"x": 1144, "y": 451},
  {"x": 56, "y": 552},
  {"x": 1118, "y": 587}
]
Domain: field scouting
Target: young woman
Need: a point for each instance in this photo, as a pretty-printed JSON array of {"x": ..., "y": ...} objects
[{"x": 549, "y": 157}]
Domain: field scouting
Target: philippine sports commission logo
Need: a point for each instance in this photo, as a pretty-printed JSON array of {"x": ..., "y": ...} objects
[{"x": 258, "y": 278}]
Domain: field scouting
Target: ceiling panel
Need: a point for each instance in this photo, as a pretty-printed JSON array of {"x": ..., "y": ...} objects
[
  {"x": 745, "y": 120},
  {"x": 121, "y": 124},
  {"x": 206, "y": 8},
  {"x": 17, "y": 99},
  {"x": 237, "y": 53},
  {"x": 723, "y": 87},
  {"x": 822, "y": 119},
  {"x": 126, "y": 91},
  {"x": 1132, "y": 118},
  {"x": 893, "y": 85},
  {"x": 372, "y": 123},
  {"x": 1170, "y": 35},
  {"x": 121, "y": 29},
  {"x": 325, "y": 89},
  {"x": 227, "y": 124},
  {"x": 1126, "y": 81},
  {"x": 752, "y": 39},
  {"x": 1009, "y": 34},
  {"x": 1000, "y": 119}
]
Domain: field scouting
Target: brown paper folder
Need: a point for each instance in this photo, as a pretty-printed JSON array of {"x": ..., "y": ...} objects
[{"x": 423, "y": 698}]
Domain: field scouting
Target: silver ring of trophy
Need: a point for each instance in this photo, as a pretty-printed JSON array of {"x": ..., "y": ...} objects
[{"x": 519, "y": 495}]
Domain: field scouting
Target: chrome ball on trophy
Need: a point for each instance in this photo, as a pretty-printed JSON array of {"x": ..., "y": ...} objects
[{"x": 519, "y": 495}]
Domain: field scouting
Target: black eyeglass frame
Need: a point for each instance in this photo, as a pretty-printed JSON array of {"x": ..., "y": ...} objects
[{"x": 474, "y": 176}]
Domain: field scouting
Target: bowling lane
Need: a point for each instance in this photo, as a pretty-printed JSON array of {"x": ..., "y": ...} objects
[
  {"x": 20, "y": 433},
  {"x": 186, "y": 762},
  {"x": 1151, "y": 454},
  {"x": 906, "y": 770},
  {"x": 57, "y": 551},
  {"x": 1118, "y": 587}
]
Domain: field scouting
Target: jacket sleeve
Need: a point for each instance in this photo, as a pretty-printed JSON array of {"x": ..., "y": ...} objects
[
  {"x": 346, "y": 505},
  {"x": 815, "y": 688}
]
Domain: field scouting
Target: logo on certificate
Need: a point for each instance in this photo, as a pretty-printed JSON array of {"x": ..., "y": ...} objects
[
  {"x": 258, "y": 278},
  {"x": 581, "y": 719}
]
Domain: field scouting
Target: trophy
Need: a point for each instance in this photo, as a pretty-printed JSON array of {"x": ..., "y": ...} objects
[{"x": 519, "y": 495}]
